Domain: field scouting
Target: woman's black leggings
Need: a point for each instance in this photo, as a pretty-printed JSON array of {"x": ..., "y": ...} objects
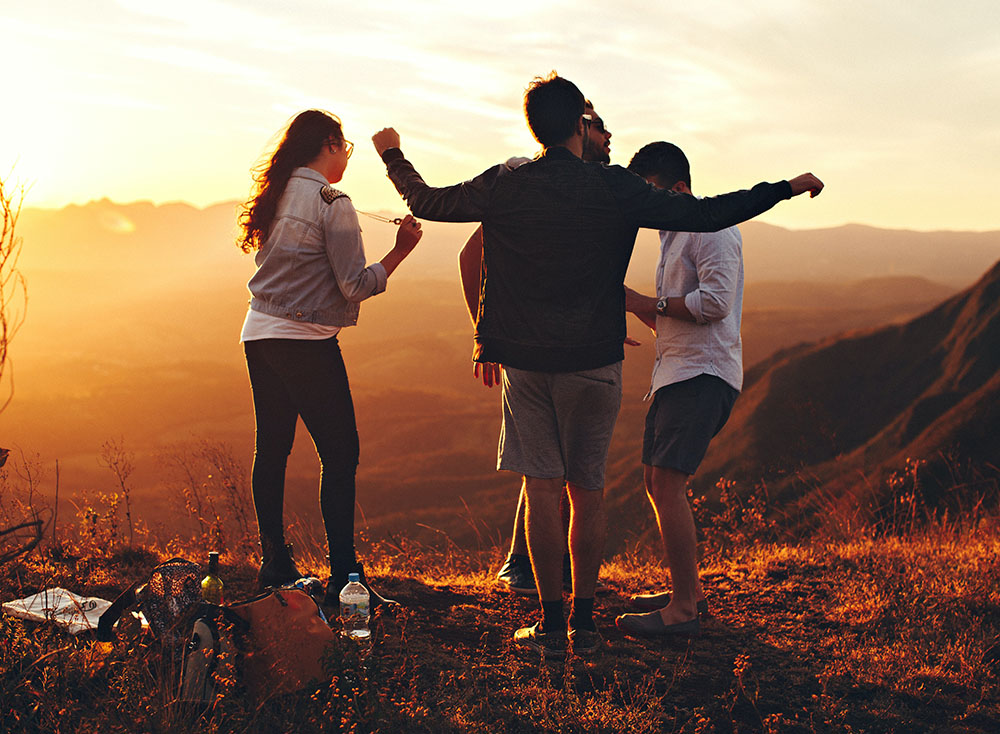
[{"x": 298, "y": 377}]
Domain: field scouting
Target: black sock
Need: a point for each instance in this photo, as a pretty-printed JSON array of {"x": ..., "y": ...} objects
[
  {"x": 552, "y": 616},
  {"x": 582, "y": 616}
]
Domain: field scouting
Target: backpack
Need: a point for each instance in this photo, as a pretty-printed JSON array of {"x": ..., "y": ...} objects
[
  {"x": 274, "y": 643},
  {"x": 167, "y": 599},
  {"x": 286, "y": 641}
]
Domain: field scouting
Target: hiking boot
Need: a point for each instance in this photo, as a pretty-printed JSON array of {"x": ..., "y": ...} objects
[
  {"x": 549, "y": 644},
  {"x": 277, "y": 567},
  {"x": 338, "y": 580},
  {"x": 517, "y": 575},
  {"x": 585, "y": 642}
]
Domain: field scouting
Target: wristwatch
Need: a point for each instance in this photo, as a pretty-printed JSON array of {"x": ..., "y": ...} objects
[{"x": 661, "y": 306}]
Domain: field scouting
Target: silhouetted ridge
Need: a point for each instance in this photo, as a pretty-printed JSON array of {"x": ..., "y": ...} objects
[{"x": 847, "y": 409}]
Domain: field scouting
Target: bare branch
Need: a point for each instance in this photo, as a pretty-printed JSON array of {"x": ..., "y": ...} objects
[{"x": 13, "y": 289}]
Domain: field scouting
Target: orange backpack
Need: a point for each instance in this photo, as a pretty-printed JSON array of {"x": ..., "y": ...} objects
[{"x": 286, "y": 642}]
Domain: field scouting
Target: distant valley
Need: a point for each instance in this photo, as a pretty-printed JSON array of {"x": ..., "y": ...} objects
[{"x": 134, "y": 314}]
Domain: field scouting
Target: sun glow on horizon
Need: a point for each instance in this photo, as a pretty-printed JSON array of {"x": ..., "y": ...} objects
[{"x": 129, "y": 101}]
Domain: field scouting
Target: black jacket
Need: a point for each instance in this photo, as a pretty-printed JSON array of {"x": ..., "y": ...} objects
[{"x": 558, "y": 234}]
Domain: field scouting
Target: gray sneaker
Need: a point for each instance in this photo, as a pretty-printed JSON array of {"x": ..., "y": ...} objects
[
  {"x": 585, "y": 642},
  {"x": 549, "y": 644}
]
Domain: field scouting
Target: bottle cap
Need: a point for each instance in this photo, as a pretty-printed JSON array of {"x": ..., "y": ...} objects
[{"x": 353, "y": 577}]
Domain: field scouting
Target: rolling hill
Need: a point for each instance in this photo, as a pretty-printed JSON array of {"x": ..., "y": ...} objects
[
  {"x": 847, "y": 413},
  {"x": 134, "y": 313}
]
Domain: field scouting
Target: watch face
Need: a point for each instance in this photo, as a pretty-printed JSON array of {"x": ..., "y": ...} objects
[{"x": 661, "y": 307}]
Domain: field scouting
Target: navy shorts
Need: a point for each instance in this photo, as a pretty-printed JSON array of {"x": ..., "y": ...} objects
[{"x": 683, "y": 419}]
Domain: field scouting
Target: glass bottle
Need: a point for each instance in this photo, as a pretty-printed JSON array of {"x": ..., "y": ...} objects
[{"x": 211, "y": 585}]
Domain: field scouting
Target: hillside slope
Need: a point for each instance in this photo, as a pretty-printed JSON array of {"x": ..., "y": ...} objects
[{"x": 845, "y": 412}]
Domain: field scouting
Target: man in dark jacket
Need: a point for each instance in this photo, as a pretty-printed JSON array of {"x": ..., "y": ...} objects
[{"x": 515, "y": 574}]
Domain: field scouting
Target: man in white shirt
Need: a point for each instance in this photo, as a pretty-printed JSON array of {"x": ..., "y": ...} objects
[{"x": 696, "y": 379}]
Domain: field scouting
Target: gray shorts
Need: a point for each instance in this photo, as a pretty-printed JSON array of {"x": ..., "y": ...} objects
[
  {"x": 559, "y": 424},
  {"x": 683, "y": 419}
]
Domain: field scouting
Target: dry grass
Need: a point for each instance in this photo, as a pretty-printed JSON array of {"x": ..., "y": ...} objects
[
  {"x": 891, "y": 634},
  {"x": 882, "y": 632}
]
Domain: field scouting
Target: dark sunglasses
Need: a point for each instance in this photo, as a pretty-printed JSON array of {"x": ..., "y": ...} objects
[{"x": 596, "y": 122}]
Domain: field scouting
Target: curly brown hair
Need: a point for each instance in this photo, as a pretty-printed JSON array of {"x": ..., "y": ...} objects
[{"x": 302, "y": 142}]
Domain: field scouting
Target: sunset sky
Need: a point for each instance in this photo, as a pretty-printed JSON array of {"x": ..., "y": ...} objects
[{"x": 895, "y": 105}]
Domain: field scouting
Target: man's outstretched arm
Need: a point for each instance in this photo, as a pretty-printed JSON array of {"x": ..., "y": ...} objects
[
  {"x": 464, "y": 202},
  {"x": 663, "y": 209}
]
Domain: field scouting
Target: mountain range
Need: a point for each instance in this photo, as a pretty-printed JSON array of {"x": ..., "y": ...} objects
[
  {"x": 857, "y": 411},
  {"x": 132, "y": 333}
]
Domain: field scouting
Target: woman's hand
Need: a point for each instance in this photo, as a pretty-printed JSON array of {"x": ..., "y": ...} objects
[
  {"x": 407, "y": 237},
  {"x": 408, "y": 234}
]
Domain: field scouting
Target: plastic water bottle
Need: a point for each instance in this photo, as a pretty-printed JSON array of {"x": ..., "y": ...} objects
[{"x": 354, "y": 613}]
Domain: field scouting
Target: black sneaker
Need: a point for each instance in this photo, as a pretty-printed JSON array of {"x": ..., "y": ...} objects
[
  {"x": 517, "y": 574},
  {"x": 585, "y": 642},
  {"x": 549, "y": 644}
]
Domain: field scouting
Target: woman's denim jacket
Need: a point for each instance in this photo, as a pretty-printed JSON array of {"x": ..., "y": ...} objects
[{"x": 311, "y": 267}]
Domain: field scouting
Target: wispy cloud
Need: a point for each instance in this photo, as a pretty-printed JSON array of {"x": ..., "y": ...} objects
[
  {"x": 195, "y": 60},
  {"x": 749, "y": 87}
]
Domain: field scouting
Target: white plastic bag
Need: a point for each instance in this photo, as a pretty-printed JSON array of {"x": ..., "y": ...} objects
[{"x": 76, "y": 613}]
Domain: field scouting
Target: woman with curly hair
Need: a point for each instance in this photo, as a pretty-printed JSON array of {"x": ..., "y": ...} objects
[{"x": 311, "y": 277}]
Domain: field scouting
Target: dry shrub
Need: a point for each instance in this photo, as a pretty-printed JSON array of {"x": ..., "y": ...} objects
[
  {"x": 214, "y": 488},
  {"x": 737, "y": 519}
]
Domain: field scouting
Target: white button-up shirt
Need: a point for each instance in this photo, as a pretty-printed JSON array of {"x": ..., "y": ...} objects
[{"x": 706, "y": 270}]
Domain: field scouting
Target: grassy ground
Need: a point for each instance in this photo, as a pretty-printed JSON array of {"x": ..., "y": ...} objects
[{"x": 887, "y": 635}]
